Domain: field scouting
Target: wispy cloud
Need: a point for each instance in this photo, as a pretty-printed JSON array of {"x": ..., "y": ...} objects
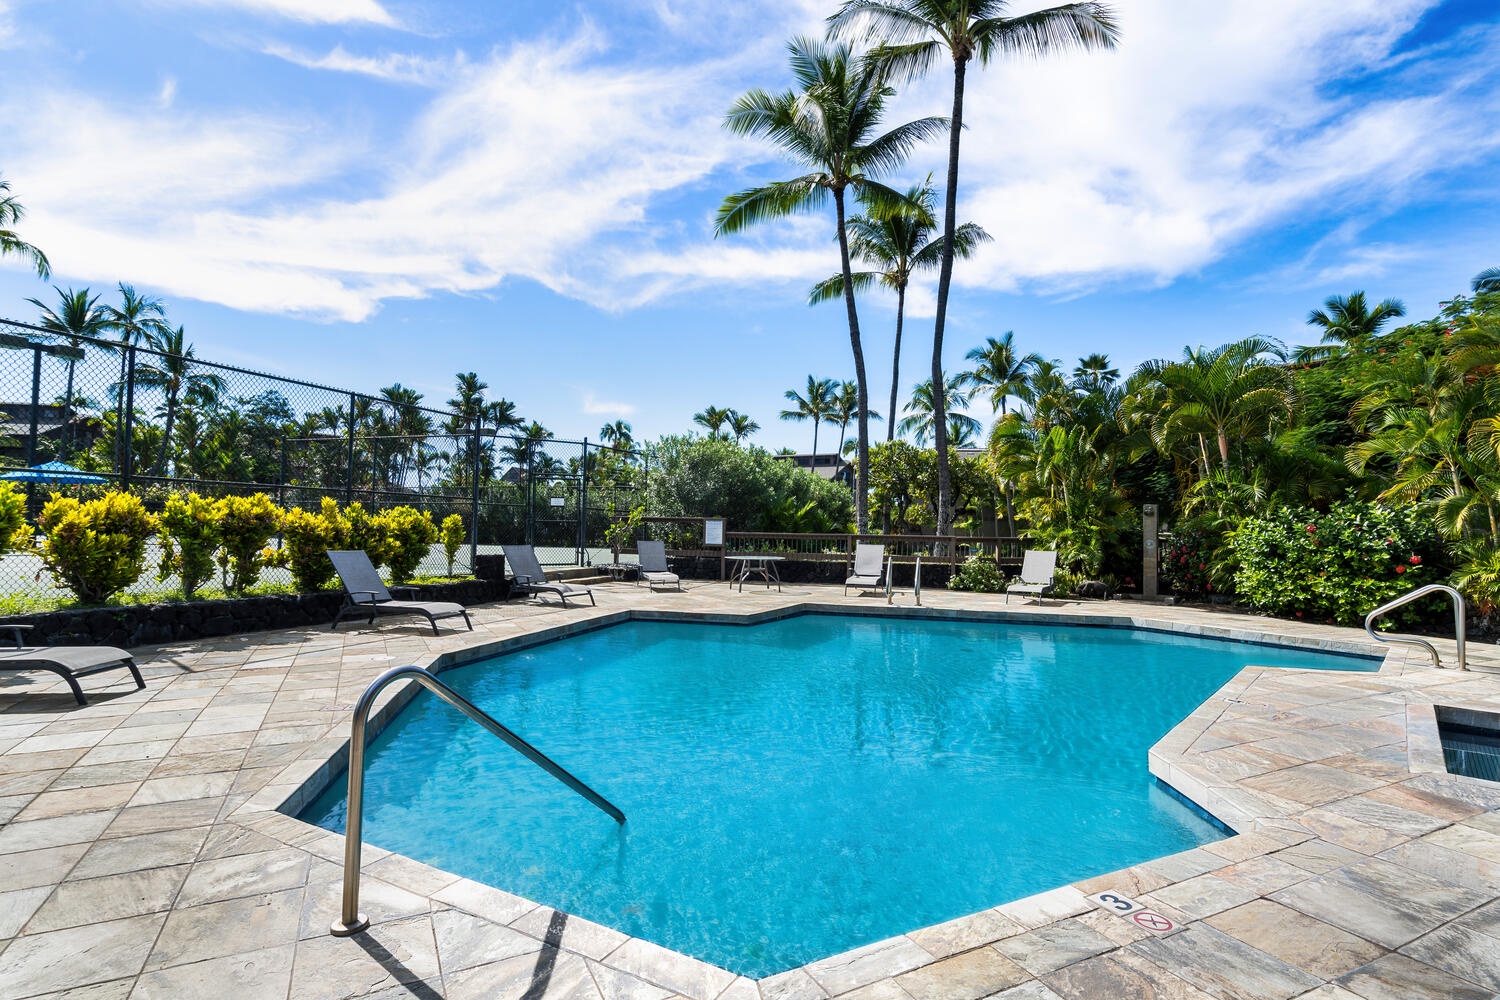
[
  {"x": 7, "y": 26},
  {"x": 167, "y": 94},
  {"x": 395, "y": 67},
  {"x": 596, "y": 407},
  {"x": 307, "y": 11}
]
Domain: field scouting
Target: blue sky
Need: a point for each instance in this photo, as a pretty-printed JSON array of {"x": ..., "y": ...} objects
[{"x": 366, "y": 191}]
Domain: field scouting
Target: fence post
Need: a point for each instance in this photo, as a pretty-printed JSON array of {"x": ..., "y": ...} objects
[
  {"x": 474, "y": 502},
  {"x": 129, "y": 421},
  {"x": 349, "y": 486},
  {"x": 281, "y": 483},
  {"x": 583, "y": 505},
  {"x": 36, "y": 402}
]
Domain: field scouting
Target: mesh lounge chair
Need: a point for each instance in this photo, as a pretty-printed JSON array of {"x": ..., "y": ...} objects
[
  {"x": 1038, "y": 570},
  {"x": 869, "y": 567},
  {"x": 366, "y": 596},
  {"x": 68, "y": 662},
  {"x": 528, "y": 576},
  {"x": 654, "y": 568}
]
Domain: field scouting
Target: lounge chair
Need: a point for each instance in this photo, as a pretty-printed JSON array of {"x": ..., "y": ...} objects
[
  {"x": 1038, "y": 570},
  {"x": 68, "y": 662},
  {"x": 528, "y": 577},
  {"x": 654, "y": 568},
  {"x": 365, "y": 596},
  {"x": 869, "y": 567}
]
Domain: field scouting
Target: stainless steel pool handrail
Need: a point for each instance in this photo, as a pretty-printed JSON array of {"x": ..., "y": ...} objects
[
  {"x": 352, "y": 921},
  {"x": 1460, "y": 613}
]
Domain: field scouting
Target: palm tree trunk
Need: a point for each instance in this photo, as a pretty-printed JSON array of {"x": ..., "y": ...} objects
[
  {"x": 68, "y": 413},
  {"x": 862, "y": 466},
  {"x": 166, "y": 435},
  {"x": 1224, "y": 449},
  {"x": 890, "y": 416},
  {"x": 945, "y": 278},
  {"x": 816, "y": 422}
]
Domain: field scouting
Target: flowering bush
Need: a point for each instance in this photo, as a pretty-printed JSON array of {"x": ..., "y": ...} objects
[
  {"x": 1335, "y": 566},
  {"x": 979, "y": 574},
  {"x": 1187, "y": 563}
]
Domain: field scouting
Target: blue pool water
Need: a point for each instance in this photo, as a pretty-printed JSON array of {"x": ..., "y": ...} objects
[{"x": 803, "y": 787}]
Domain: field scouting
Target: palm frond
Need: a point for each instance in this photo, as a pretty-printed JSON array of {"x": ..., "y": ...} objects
[{"x": 772, "y": 201}]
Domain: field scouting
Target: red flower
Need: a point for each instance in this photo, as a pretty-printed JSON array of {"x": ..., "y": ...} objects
[
  {"x": 1312, "y": 528},
  {"x": 1400, "y": 569},
  {"x": 1416, "y": 560},
  {"x": 1299, "y": 614}
]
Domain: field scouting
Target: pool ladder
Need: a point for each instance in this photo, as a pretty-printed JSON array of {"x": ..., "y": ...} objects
[
  {"x": 1460, "y": 611},
  {"x": 352, "y": 921}
]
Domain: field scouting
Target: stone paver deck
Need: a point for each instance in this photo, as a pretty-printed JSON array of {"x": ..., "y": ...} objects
[{"x": 141, "y": 853}]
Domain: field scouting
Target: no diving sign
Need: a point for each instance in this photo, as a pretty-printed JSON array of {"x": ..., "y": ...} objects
[{"x": 1122, "y": 905}]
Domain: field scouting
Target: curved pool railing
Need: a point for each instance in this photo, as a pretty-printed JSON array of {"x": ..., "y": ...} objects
[
  {"x": 352, "y": 921},
  {"x": 1459, "y": 614}
]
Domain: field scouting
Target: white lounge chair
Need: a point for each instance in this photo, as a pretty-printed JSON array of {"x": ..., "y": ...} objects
[
  {"x": 67, "y": 662},
  {"x": 1038, "y": 571},
  {"x": 365, "y": 595},
  {"x": 654, "y": 568},
  {"x": 869, "y": 567},
  {"x": 528, "y": 577}
]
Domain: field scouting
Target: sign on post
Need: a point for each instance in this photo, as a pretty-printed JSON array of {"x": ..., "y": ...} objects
[{"x": 713, "y": 531}]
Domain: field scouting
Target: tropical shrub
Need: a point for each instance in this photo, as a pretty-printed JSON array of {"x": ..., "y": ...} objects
[
  {"x": 1478, "y": 577},
  {"x": 13, "y": 518},
  {"x": 307, "y": 537},
  {"x": 452, "y": 534},
  {"x": 980, "y": 574},
  {"x": 409, "y": 536},
  {"x": 363, "y": 530},
  {"x": 96, "y": 548},
  {"x": 1187, "y": 563},
  {"x": 246, "y": 525},
  {"x": 703, "y": 477},
  {"x": 1334, "y": 566},
  {"x": 189, "y": 526}
]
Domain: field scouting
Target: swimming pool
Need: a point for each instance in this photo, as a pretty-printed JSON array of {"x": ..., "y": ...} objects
[{"x": 802, "y": 787}]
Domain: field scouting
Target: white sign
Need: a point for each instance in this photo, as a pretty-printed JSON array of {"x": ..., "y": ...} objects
[
  {"x": 1122, "y": 905},
  {"x": 713, "y": 532},
  {"x": 557, "y": 501}
]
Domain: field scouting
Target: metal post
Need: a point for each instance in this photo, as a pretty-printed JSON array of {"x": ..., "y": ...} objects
[
  {"x": 474, "y": 504},
  {"x": 281, "y": 486},
  {"x": 36, "y": 403},
  {"x": 129, "y": 463},
  {"x": 349, "y": 488},
  {"x": 1149, "y": 519},
  {"x": 583, "y": 505}
]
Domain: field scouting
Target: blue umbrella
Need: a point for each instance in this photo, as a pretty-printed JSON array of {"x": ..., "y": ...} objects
[{"x": 53, "y": 472}]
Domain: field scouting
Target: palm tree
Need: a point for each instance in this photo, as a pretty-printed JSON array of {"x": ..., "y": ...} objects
[
  {"x": 1487, "y": 280},
  {"x": 136, "y": 318},
  {"x": 846, "y": 408},
  {"x": 922, "y": 412},
  {"x": 741, "y": 426},
  {"x": 79, "y": 315},
  {"x": 916, "y": 34},
  {"x": 714, "y": 419},
  {"x": 817, "y": 405},
  {"x": 617, "y": 434},
  {"x": 11, "y": 213},
  {"x": 1095, "y": 373},
  {"x": 1348, "y": 322},
  {"x": 898, "y": 242},
  {"x": 174, "y": 374},
  {"x": 830, "y": 125},
  {"x": 998, "y": 371}
]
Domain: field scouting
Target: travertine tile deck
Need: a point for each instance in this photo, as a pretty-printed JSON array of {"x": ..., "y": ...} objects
[{"x": 141, "y": 854}]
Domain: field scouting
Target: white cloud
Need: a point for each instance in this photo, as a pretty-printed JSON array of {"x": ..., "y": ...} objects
[
  {"x": 7, "y": 26},
  {"x": 592, "y": 405},
  {"x": 307, "y": 11},
  {"x": 394, "y": 67},
  {"x": 167, "y": 94}
]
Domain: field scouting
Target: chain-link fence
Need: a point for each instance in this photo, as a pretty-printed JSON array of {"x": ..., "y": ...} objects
[{"x": 153, "y": 419}]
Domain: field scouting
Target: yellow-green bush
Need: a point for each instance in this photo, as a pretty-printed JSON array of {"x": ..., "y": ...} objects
[
  {"x": 409, "y": 534},
  {"x": 367, "y": 531},
  {"x": 97, "y": 548},
  {"x": 307, "y": 538},
  {"x": 13, "y": 518},
  {"x": 453, "y": 538},
  {"x": 246, "y": 525},
  {"x": 189, "y": 526}
]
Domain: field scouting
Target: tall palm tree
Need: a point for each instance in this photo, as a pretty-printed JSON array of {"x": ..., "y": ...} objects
[
  {"x": 11, "y": 213},
  {"x": 999, "y": 371},
  {"x": 173, "y": 372},
  {"x": 1095, "y": 373},
  {"x": 713, "y": 418},
  {"x": 917, "y": 33},
  {"x": 78, "y": 315},
  {"x": 1348, "y": 322},
  {"x": 741, "y": 426},
  {"x": 898, "y": 242},
  {"x": 846, "y": 408},
  {"x": 617, "y": 434},
  {"x": 922, "y": 413},
  {"x": 1487, "y": 280},
  {"x": 136, "y": 318},
  {"x": 817, "y": 405},
  {"x": 831, "y": 125}
]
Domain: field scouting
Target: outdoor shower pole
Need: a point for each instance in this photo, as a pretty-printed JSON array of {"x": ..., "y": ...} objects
[{"x": 1149, "y": 553}]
